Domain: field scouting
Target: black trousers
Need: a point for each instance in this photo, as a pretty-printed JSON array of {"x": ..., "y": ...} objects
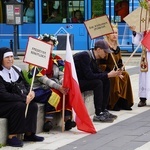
[
  {"x": 101, "y": 90},
  {"x": 15, "y": 114}
]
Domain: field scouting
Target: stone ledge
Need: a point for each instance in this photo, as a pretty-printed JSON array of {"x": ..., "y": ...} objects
[
  {"x": 3, "y": 130},
  {"x": 89, "y": 102},
  {"x": 88, "y": 99}
]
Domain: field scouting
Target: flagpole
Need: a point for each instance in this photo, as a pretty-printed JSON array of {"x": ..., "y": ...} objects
[
  {"x": 63, "y": 103},
  {"x": 30, "y": 90},
  {"x": 131, "y": 55},
  {"x": 82, "y": 119},
  {"x": 63, "y": 112}
]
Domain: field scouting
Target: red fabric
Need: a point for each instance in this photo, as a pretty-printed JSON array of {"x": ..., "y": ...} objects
[
  {"x": 146, "y": 41},
  {"x": 83, "y": 120},
  {"x": 49, "y": 71},
  {"x": 74, "y": 20},
  {"x": 122, "y": 9},
  {"x": 59, "y": 106}
]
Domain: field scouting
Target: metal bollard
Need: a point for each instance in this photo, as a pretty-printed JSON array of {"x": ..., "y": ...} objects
[{"x": 11, "y": 45}]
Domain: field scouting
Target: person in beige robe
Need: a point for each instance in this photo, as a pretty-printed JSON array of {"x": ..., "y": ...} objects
[{"x": 121, "y": 96}]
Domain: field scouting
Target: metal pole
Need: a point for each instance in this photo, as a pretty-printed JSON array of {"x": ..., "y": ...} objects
[
  {"x": 15, "y": 42},
  {"x": 11, "y": 45},
  {"x": 131, "y": 31}
]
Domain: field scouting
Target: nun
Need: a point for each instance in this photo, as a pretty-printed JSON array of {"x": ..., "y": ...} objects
[{"x": 13, "y": 103}]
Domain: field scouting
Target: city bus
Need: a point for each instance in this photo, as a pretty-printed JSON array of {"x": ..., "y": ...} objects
[{"x": 65, "y": 9}]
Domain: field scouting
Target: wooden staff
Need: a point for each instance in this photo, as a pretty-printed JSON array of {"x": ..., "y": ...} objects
[
  {"x": 114, "y": 61},
  {"x": 131, "y": 55},
  {"x": 30, "y": 90},
  {"x": 63, "y": 112},
  {"x": 111, "y": 54}
]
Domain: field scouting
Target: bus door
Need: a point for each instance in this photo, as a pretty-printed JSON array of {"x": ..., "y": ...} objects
[{"x": 61, "y": 17}]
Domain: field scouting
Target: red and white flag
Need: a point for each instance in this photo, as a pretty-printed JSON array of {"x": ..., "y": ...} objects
[
  {"x": 82, "y": 118},
  {"x": 146, "y": 41}
]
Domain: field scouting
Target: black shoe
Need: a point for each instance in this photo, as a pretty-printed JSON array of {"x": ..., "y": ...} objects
[
  {"x": 33, "y": 138},
  {"x": 47, "y": 126},
  {"x": 106, "y": 112},
  {"x": 125, "y": 105},
  {"x": 116, "y": 107},
  {"x": 102, "y": 118},
  {"x": 142, "y": 103},
  {"x": 69, "y": 125},
  {"x": 15, "y": 142},
  {"x": 127, "y": 108}
]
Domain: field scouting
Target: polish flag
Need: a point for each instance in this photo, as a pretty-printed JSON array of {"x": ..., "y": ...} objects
[
  {"x": 146, "y": 41},
  {"x": 82, "y": 118}
]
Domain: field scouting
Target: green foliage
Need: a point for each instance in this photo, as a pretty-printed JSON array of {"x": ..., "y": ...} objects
[
  {"x": 1, "y": 145},
  {"x": 98, "y": 7},
  {"x": 143, "y": 4},
  {"x": 25, "y": 74},
  {"x": 116, "y": 1}
]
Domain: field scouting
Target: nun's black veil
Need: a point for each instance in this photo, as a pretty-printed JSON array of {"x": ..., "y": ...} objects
[{"x": 3, "y": 50}]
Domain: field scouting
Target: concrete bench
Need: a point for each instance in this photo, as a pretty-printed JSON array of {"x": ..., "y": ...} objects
[
  {"x": 3, "y": 124},
  {"x": 87, "y": 96},
  {"x": 88, "y": 99},
  {"x": 3, "y": 130}
]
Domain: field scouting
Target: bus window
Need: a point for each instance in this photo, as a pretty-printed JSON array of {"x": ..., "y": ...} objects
[
  {"x": 121, "y": 9},
  {"x": 76, "y": 11},
  {"x": 29, "y": 12},
  {"x": 63, "y": 11},
  {"x": 98, "y": 8}
]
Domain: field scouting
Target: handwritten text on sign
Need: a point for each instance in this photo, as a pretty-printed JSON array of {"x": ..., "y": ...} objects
[
  {"x": 98, "y": 26},
  {"x": 37, "y": 53}
]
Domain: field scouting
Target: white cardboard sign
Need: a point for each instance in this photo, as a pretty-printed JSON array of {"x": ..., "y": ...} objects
[
  {"x": 37, "y": 53},
  {"x": 138, "y": 18},
  {"x": 98, "y": 26}
]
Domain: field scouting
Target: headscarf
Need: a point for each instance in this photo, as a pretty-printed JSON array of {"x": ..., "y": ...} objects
[{"x": 4, "y": 52}]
